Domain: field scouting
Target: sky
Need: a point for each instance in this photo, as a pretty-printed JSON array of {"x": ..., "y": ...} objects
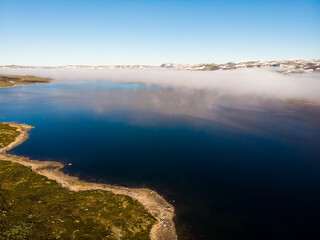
[{"x": 97, "y": 32}]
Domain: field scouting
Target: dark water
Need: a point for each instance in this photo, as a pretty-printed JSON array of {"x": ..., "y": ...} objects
[{"x": 249, "y": 172}]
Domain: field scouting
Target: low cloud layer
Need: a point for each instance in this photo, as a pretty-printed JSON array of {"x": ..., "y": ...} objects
[
  {"x": 242, "y": 82},
  {"x": 250, "y": 100}
]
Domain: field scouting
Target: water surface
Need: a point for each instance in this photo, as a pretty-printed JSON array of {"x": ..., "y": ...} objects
[{"x": 233, "y": 167}]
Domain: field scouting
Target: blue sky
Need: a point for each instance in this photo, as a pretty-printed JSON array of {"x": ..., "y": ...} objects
[{"x": 97, "y": 32}]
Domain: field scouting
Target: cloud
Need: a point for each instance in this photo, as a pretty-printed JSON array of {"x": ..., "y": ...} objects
[
  {"x": 241, "y": 82},
  {"x": 250, "y": 100}
]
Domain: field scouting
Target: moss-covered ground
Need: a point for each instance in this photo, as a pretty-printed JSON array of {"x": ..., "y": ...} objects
[
  {"x": 13, "y": 80},
  {"x": 7, "y": 134}
]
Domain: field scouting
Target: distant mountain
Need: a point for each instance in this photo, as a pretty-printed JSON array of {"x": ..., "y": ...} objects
[{"x": 282, "y": 66}]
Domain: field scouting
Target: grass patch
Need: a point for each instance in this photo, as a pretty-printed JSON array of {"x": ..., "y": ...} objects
[
  {"x": 13, "y": 80},
  {"x": 7, "y": 134},
  {"x": 33, "y": 207}
]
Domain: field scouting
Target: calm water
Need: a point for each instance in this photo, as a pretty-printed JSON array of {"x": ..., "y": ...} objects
[{"x": 232, "y": 171}]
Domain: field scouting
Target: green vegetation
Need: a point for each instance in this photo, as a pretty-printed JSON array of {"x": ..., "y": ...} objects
[
  {"x": 34, "y": 207},
  {"x": 14, "y": 80},
  {"x": 7, "y": 134}
]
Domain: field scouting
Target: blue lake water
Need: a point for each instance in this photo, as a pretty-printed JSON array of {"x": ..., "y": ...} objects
[{"x": 232, "y": 171}]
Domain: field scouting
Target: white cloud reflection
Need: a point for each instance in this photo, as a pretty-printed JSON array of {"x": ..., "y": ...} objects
[{"x": 244, "y": 98}]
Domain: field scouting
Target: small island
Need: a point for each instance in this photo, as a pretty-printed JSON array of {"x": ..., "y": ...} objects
[
  {"x": 18, "y": 80},
  {"x": 40, "y": 202}
]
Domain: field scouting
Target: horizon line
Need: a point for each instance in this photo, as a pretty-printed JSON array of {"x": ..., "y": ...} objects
[{"x": 102, "y": 65}]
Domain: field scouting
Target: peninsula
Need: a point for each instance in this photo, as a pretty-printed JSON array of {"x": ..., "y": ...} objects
[
  {"x": 17, "y": 80},
  {"x": 40, "y": 202}
]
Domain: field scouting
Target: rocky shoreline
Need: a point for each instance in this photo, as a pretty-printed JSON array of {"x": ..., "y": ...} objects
[{"x": 156, "y": 205}]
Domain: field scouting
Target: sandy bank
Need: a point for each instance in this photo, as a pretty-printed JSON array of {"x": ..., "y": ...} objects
[{"x": 153, "y": 202}]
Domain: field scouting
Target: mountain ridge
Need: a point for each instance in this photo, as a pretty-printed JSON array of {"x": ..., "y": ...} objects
[{"x": 282, "y": 66}]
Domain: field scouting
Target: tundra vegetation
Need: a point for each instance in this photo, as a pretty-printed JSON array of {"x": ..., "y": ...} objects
[
  {"x": 7, "y": 134},
  {"x": 16, "y": 80},
  {"x": 34, "y": 207}
]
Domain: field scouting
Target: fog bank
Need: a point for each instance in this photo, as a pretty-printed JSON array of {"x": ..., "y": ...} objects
[{"x": 260, "y": 83}]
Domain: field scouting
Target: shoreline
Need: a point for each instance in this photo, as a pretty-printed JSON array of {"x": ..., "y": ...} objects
[
  {"x": 18, "y": 85},
  {"x": 8, "y": 80},
  {"x": 156, "y": 205}
]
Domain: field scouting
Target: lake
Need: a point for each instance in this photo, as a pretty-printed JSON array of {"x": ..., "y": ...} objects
[{"x": 234, "y": 166}]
